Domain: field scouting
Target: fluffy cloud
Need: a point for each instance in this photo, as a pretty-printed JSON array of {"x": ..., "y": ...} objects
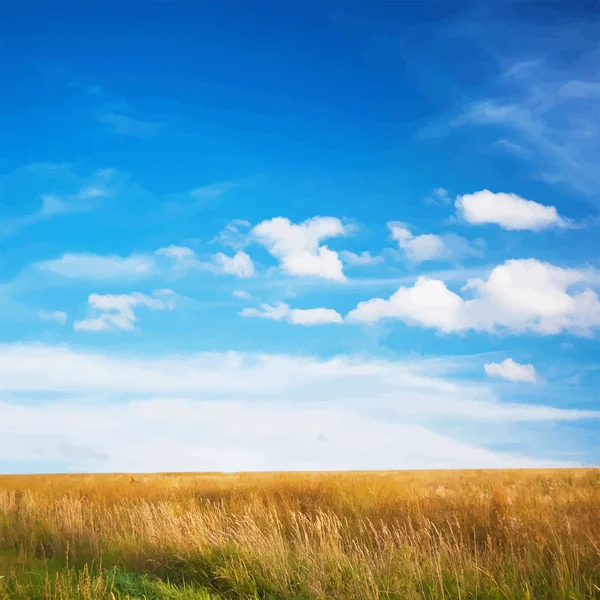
[
  {"x": 237, "y": 411},
  {"x": 509, "y": 211},
  {"x": 511, "y": 370},
  {"x": 93, "y": 266},
  {"x": 297, "y": 316},
  {"x": 56, "y": 316},
  {"x": 117, "y": 311},
  {"x": 240, "y": 264},
  {"x": 298, "y": 247},
  {"x": 361, "y": 260},
  {"x": 519, "y": 295}
]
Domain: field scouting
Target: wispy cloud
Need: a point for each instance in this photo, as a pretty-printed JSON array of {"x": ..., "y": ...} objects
[
  {"x": 364, "y": 259},
  {"x": 96, "y": 267},
  {"x": 207, "y": 193},
  {"x": 121, "y": 124},
  {"x": 439, "y": 196},
  {"x": 172, "y": 411},
  {"x": 241, "y": 294},
  {"x": 236, "y": 234},
  {"x": 547, "y": 115},
  {"x": 56, "y": 316},
  {"x": 89, "y": 191},
  {"x": 429, "y": 246}
]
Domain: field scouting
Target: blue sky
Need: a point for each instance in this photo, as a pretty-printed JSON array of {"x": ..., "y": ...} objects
[{"x": 318, "y": 235}]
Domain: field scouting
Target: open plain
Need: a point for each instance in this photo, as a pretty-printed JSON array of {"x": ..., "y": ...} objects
[{"x": 402, "y": 535}]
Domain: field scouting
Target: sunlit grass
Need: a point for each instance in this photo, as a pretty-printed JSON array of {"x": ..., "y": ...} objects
[{"x": 486, "y": 534}]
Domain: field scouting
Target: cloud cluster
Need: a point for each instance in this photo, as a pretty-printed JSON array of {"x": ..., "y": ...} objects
[
  {"x": 518, "y": 296},
  {"x": 298, "y": 246}
]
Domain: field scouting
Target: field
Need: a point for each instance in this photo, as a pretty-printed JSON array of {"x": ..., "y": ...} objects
[{"x": 400, "y": 535}]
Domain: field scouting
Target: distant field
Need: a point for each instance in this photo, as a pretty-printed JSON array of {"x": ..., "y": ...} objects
[{"x": 400, "y": 535}]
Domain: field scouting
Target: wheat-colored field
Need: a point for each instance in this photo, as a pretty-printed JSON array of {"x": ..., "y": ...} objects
[{"x": 401, "y": 535}]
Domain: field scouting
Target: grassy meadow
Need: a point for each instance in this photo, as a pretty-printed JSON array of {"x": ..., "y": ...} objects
[{"x": 401, "y": 535}]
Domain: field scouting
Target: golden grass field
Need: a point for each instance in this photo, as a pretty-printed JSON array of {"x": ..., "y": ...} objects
[{"x": 402, "y": 535}]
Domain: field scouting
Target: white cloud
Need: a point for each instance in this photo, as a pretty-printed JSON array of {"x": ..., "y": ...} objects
[
  {"x": 241, "y": 294},
  {"x": 298, "y": 247},
  {"x": 363, "y": 259},
  {"x": 509, "y": 211},
  {"x": 512, "y": 371},
  {"x": 117, "y": 311},
  {"x": 93, "y": 266},
  {"x": 240, "y": 264},
  {"x": 518, "y": 296},
  {"x": 56, "y": 316},
  {"x": 237, "y": 411},
  {"x": 297, "y": 316}
]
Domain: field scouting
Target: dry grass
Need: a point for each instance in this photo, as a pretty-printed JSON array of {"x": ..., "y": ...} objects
[{"x": 463, "y": 534}]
